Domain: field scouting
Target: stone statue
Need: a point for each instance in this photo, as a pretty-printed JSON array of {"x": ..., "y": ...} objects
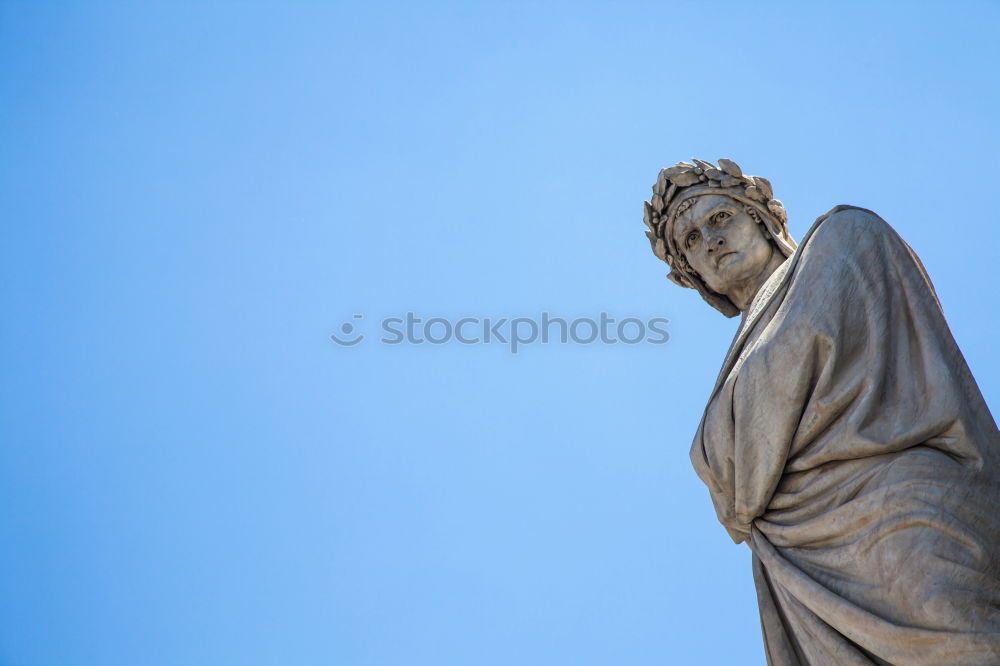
[{"x": 845, "y": 441}]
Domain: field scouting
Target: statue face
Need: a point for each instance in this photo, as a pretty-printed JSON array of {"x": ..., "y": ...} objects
[{"x": 722, "y": 243}]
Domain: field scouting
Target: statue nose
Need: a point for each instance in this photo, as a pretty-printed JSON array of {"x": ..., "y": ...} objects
[{"x": 715, "y": 243}]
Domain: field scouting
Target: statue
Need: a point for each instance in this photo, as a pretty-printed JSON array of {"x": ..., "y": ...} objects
[{"x": 845, "y": 441}]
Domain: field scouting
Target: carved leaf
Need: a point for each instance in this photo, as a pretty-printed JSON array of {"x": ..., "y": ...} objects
[
  {"x": 647, "y": 214},
  {"x": 674, "y": 170},
  {"x": 703, "y": 164},
  {"x": 670, "y": 194},
  {"x": 652, "y": 240},
  {"x": 778, "y": 209},
  {"x": 714, "y": 174},
  {"x": 684, "y": 179},
  {"x": 755, "y": 194},
  {"x": 714, "y": 183},
  {"x": 657, "y": 203},
  {"x": 730, "y": 167},
  {"x": 660, "y": 224},
  {"x": 660, "y": 249},
  {"x": 731, "y": 181},
  {"x": 685, "y": 164},
  {"x": 764, "y": 185}
]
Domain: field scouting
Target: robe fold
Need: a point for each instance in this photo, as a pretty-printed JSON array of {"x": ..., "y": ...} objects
[{"x": 848, "y": 444}]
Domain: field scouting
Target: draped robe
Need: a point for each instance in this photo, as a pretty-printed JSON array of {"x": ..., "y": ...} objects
[{"x": 848, "y": 444}]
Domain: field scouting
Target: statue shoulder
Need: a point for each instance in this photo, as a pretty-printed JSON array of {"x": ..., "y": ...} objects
[
  {"x": 850, "y": 226},
  {"x": 860, "y": 242}
]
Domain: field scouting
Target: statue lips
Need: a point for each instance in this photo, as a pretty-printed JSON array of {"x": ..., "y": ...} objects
[{"x": 718, "y": 262}]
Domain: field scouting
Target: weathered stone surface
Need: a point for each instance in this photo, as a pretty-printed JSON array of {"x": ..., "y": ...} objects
[{"x": 845, "y": 441}]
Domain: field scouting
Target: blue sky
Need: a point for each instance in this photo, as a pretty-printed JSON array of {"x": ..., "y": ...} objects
[{"x": 194, "y": 196}]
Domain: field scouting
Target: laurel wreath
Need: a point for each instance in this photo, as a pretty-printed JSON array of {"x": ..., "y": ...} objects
[{"x": 727, "y": 175}]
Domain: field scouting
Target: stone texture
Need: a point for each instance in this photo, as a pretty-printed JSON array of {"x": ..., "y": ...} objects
[{"x": 847, "y": 443}]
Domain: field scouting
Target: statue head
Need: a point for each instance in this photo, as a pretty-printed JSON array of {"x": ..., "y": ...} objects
[{"x": 713, "y": 225}]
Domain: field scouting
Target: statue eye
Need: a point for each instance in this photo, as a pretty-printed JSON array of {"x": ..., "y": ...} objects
[
  {"x": 691, "y": 238},
  {"x": 720, "y": 217}
]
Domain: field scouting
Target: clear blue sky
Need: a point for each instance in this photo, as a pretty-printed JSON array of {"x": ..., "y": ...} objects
[{"x": 194, "y": 196}]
